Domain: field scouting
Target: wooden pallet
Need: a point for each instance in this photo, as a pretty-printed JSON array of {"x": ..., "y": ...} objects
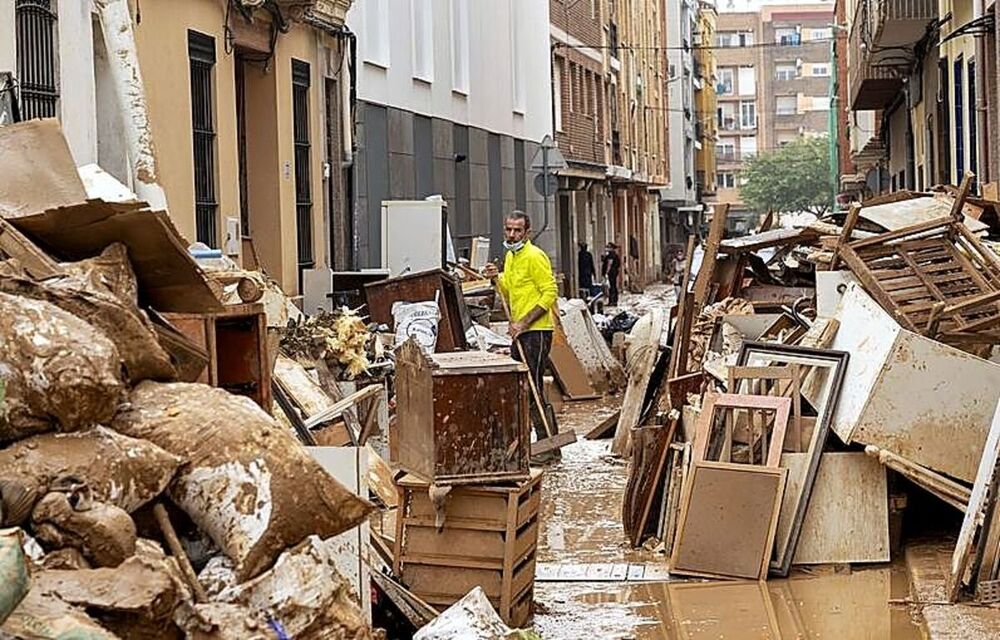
[
  {"x": 488, "y": 539},
  {"x": 935, "y": 278}
]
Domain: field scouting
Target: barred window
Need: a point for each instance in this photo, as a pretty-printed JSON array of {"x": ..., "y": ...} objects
[{"x": 37, "y": 63}]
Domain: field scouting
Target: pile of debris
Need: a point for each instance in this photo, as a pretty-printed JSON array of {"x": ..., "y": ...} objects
[
  {"x": 761, "y": 438},
  {"x": 136, "y": 500}
]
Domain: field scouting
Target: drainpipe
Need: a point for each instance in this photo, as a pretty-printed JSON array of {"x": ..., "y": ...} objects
[
  {"x": 982, "y": 121},
  {"x": 119, "y": 39}
]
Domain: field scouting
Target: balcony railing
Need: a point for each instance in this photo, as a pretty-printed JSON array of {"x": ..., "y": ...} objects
[{"x": 881, "y": 41}]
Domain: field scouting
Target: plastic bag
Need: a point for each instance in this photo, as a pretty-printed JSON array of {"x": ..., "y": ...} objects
[
  {"x": 14, "y": 579},
  {"x": 417, "y": 320}
]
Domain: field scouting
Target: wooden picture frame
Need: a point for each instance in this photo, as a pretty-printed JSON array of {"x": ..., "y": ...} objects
[
  {"x": 785, "y": 382},
  {"x": 714, "y": 401},
  {"x": 728, "y": 521},
  {"x": 764, "y": 354}
]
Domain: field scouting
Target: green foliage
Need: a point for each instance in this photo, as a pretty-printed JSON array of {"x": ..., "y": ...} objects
[{"x": 790, "y": 179}]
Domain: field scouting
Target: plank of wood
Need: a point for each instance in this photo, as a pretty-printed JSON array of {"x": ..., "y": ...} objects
[
  {"x": 568, "y": 370},
  {"x": 414, "y": 609},
  {"x": 951, "y": 492},
  {"x": 986, "y": 479},
  {"x": 338, "y": 408},
  {"x": 35, "y": 262},
  {"x": 685, "y": 316},
  {"x": 645, "y": 476},
  {"x": 847, "y": 518},
  {"x": 380, "y": 480},
  {"x": 604, "y": 429},
  {"x": 641, "y": 363},
  {"x": 558, "y": 441},
  {"x": 845, "y": 235},
  {"x": 728, "y": 521},
  {"x": 706, "y": 271}
]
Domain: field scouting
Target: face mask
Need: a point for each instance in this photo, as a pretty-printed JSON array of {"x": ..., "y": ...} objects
[{"x": 513, "y": 246}]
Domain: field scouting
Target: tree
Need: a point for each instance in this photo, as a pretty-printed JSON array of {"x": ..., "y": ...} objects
[{"x": 790, "y": 179}]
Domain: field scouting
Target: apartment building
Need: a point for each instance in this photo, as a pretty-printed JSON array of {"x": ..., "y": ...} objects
[
  {"x": 775, "y": 80},
  {"x": 233, "y": 119},
  {"x": 679, "y": 204},
  {"x": 925, "y": 114},
  {"x": 639, "y": 161},
  {"x": 453, "y": 98},
  {"x": 705, "y": 100},
  {"x": 580, "y": 90}
]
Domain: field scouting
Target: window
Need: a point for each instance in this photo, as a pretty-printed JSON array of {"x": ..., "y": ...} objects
[
  {"x": 37, "y": 58},
  {"x": 785, "y": 72},
  {"x": 973, "y": 136},
  {"x": 748, "y": 115},
  {"x": 746, "y": 39},
  {"x": 727, "y": 116},
  {"x": 726, "y": 85},
  {"x": 821, "y": 34},
  {"x": 726, "y": 151},
  {"x": 613, "y": 39},
  {"x": 943, "y": 117},
  {"x": 817, "y": 103},
  {"x": 422, "y": 23},
  {"x": 748, "y": 81},
  {"x": 788, "y": 36},
  {"x": 375, "y": 44},
  {"x": 201, "y": 56},
  {"x": 301, "y": 82},
  {"x": 786, "y": 105},
  {"x": 725, "y": 180},
  {"x": 460, "y": 46},
  {"x": 822, "y": 70},
  {"x": 557, "y": 82},
  {"x": 725, "y": 39},
  {"x": 959, "y": 119},
  {"x": 748, "y": 146}
]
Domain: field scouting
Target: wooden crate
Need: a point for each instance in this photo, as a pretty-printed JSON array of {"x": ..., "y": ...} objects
[
  {"x": 235, "y": 338},
  {"x": 461, "y": 417},
  {"x": 488, "y": 540}
]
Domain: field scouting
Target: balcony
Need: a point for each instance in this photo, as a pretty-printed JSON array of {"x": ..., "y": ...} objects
[{"x": 881, "y": 46}]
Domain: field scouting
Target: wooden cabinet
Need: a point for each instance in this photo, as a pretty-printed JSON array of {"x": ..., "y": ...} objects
[
  {"x": 235, "y": 339},
  {"x": 461, "y": 417}
]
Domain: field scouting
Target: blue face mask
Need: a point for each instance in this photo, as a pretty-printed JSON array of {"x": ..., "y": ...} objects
[{"x": 513, "y": 246}]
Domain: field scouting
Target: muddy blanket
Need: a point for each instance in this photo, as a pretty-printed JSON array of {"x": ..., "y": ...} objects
[{"x": 248, "y": 483}]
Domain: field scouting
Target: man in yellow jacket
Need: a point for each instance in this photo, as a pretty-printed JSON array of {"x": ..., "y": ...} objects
[{"x": 529, "y": 286}]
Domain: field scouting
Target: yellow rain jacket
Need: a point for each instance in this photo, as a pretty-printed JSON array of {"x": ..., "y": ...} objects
[{"x": 527, "y": 282}]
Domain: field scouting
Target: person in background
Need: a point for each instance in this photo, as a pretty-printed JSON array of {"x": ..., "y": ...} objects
[
  {"x": 586, "y": 269},
  {"x": 529, "y": 286},
  {"x": 611, "y": 267}
]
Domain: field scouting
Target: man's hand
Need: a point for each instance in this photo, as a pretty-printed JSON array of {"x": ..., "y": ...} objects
[
  {"x": 514, "y": 329},
  {"x": 491, "y": 271}
]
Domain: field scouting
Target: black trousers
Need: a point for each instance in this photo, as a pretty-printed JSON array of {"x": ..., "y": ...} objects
[
  {"x": 536, "y": 346},
  {"x": 613, "y": 288}
]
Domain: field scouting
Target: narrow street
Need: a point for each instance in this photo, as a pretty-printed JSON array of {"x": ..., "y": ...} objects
[{"x": 582, "y": 533}]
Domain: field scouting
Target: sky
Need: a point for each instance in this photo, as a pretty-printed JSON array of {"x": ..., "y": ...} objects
[{"x": 727, "y": 6}]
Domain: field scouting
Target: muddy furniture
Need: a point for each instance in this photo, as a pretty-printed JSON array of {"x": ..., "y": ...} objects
[
  {"x": 461, "y": 417},
  {"x": 488, "y": 539},
  {"x": 235, "y": 338},
  {"x": 422, "y": 287}
]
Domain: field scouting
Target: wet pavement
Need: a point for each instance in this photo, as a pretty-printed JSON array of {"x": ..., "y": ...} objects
[{"x": 581, "y": 544}]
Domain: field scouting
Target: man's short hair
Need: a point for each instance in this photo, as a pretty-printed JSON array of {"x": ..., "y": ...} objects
[{"x": 517, "y": 214}]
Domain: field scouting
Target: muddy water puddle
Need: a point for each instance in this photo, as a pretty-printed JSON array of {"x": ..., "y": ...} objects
[
  {"x": 581, "y": 531},
  {"x": 824, "y": 604}
]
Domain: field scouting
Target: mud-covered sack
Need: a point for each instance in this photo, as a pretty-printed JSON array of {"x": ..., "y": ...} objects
[
  {"x": 248, "y": 483},
  {"x": 14, "y": 578},
  {"x": 111, "y": 270},
  {"x": 93, "y": 300},
  {"x": 59, "y": 372},
  {"x": 43, "y": 616},
  {"x": 122, "y": 471}
]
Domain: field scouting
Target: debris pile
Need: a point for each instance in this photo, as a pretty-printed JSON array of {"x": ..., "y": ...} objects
[
  {"x": 803, "y": 365},
  {"x": 110, "y": 454}
]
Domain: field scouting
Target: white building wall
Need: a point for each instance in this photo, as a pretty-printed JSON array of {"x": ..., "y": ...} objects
[
  {"x": 680, "y": 92},
  {"x": 77, "y": 103},
  {"x": 502, "y": 36}
]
